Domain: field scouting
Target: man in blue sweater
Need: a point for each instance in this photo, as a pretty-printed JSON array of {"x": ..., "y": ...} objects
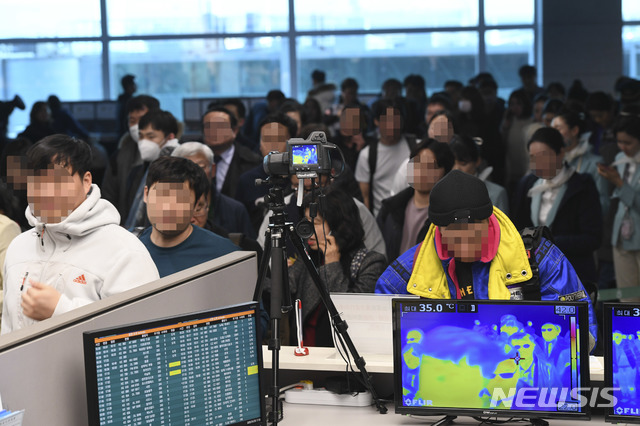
[{"x": 172, "y": 187}]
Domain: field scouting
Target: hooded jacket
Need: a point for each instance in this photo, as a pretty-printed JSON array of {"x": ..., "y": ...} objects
[
  {"x": 86, "y": 257},
  {"x": 426, "y": 270}
]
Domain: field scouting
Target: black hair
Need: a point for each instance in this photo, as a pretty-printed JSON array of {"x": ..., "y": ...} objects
[
  {"x": 540, "y": 97},
  {"x": 319, "y": 76},
  {"x": 442, "y": 151},
  {"x": 557, "y": 86},
  {"x": 380, "y": 107},
  {"x": 349, "y": 83},
  {"x": 629, "y": 124},
  {"x": 553, "y": 106},
  {"x": 599, "y": 101},
  {"x": 237, "y": 102},
  {"x": 527, "y": 71},
  {"x": 313, "y": 110},
  {"x": 18, "y": 148},
  {"x": 441, "y": 98},
  {"x": 574, "y": 119},
  {"x": 486, "y": 81},
  {"x": 477, "y": 102},
  {"x": 465, "y": 148},
  {"x": 525, "y": 100},
  {"x": 454, "y": 83},
  {"x": 64, "y": 150},
  {"x": 37, "y": 106},
  {"x": 276, "y": 95},
  {"x": 414, "y": 80},
  {"x": 54, "y": 102},
  {"x": 392, "y": 83},
  {"x": 160, "y": 120},
  {"x": 343, "y": 217},
  {"x": 9, "y": 203},
  {"x": 127, "y": 80},
  {"x": 548, "y": 136},
  {"x": 219, "y": 108},
  {"x": 291, "y": 105},
  {"x": 178, "y": 169},
  {"x": 140, "y": 102},
  {"x": 577, "y": 91},
  {"x": 281, "y": 118}
]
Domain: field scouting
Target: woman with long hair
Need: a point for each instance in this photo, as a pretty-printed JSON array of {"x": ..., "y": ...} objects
[{"x": 345, "y": 265}]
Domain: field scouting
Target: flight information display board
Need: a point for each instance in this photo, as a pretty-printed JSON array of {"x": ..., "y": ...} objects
[{"x": 196, "y": 369}]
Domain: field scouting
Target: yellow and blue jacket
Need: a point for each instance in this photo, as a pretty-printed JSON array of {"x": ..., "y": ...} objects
[{"x": 426, "y": 271}]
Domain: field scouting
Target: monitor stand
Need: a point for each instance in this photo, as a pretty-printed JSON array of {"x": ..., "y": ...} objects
[
  {"x": 539, "y": 422},
  {"x": 446, "y": 420}
]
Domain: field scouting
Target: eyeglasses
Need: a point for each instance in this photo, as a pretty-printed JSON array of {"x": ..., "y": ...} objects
[{"x": 201, "y": 210}]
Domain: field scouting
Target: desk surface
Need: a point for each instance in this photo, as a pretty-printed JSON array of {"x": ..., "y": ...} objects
[
  {"x": 326, "y": 359},
  {"x": 302, "y": 415}
]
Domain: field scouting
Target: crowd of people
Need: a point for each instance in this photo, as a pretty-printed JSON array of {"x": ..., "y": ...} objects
[{"x": 428, "y": 196}]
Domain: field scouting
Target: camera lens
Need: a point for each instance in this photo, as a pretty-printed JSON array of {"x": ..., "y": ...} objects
[{"x": 304, "y": 228}]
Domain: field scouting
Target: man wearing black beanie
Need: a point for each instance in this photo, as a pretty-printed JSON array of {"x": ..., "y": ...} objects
[{"x": 473, "y": 251}]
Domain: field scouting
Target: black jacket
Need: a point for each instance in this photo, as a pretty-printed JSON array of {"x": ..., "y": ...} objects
[
  {"x": 243, "y": 160},
  {"x": 391, "y": 221},
  {"x": 577, "y": 226}
]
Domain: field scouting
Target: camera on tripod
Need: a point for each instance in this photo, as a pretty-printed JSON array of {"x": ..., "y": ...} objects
[{"x": 305, "y": 158}]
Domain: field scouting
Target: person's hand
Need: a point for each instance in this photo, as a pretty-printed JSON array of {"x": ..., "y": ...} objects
[
  {"x": 331, "y": 250},
  {"x": 611, "y": 174},
  {"x": 39, "y": 301}
]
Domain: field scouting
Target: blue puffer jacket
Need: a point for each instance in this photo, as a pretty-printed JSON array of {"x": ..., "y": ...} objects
[{"x": 558, "y": 279}]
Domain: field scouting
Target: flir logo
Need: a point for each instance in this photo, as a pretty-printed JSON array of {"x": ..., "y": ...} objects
[
  {"x": 417, "y": 403},
  {"x": 627, "y": 411}
]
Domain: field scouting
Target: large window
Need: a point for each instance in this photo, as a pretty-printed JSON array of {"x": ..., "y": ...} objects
[
  {"x": 631, "y": 38},
  {"x": 80, "y": 49}
]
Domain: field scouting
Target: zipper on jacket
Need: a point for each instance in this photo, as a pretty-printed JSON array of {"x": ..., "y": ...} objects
[{"x": 42, "y": 235}]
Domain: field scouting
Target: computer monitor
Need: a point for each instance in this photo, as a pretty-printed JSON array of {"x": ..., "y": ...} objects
[
  {"x": 490, "y": 358},
  {"x": 621, "y": 334},
  {"x": 201, "y": 368}
]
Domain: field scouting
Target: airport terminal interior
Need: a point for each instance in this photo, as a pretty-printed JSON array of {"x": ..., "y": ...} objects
[{"x": 297, "y": 212}]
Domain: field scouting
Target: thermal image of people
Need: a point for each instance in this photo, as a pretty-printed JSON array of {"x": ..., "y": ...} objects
[
  {"x": 453, "y": 372},
  {"x": 626, "y": 357},
  {"x": 485, "y": 363},
  {"x": 556, "y": 349},
  {"x": 305, "y": 154}
]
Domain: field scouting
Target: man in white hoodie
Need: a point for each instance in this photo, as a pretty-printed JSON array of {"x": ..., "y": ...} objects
[{"x": 76, "y": 253}]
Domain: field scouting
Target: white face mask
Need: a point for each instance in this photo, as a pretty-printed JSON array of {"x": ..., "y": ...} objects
[
  {"x": 149, "y": 150},
  {"x": 464, "y": 105},
  {"x": 133, "y": 131}
]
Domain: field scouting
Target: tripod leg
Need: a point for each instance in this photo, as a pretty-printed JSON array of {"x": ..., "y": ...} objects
[
  {"x": 277, "y": 283},
  {"x": 262, "y": 270},
  {"x": 340, "y": 324}
]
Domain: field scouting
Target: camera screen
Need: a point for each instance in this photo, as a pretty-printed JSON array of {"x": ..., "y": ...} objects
[{"x": 305, "y": 154}]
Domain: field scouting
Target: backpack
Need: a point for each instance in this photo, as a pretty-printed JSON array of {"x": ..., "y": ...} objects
[{"x": 532, "y": 237}]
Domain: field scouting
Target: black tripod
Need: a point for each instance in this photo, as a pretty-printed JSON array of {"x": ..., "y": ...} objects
[{"x": 275, "y": 247}]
